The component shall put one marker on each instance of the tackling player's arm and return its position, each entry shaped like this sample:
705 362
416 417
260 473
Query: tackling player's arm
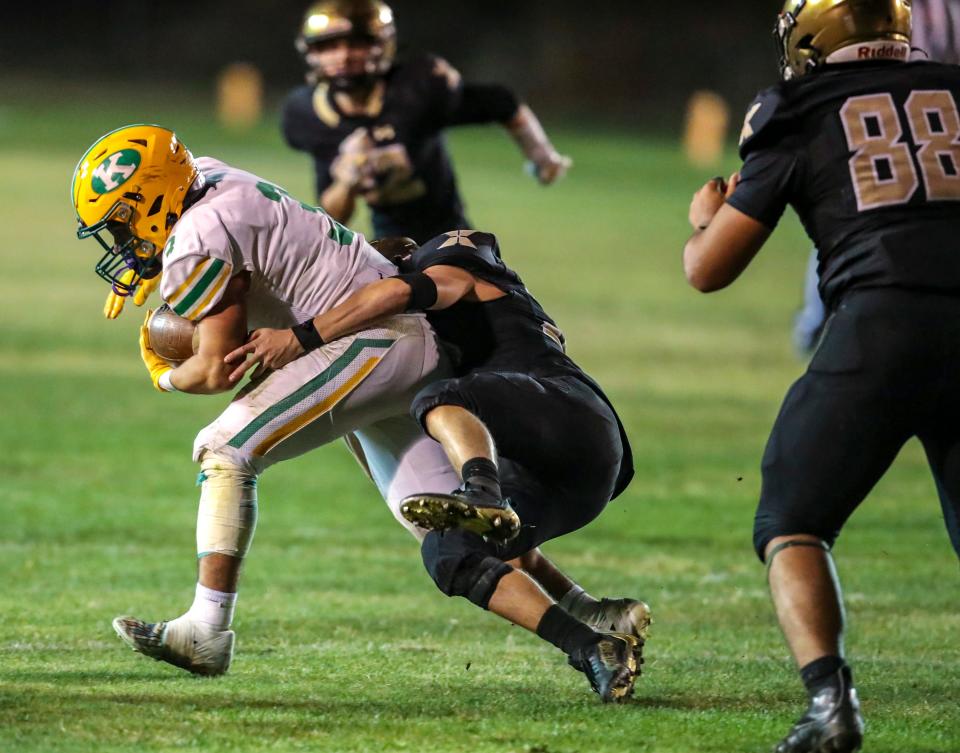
724 240
221 330
437 287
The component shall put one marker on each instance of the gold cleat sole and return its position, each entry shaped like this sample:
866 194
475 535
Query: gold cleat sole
443 512
639 614
624 688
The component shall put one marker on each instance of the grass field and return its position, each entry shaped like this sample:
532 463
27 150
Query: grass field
344 644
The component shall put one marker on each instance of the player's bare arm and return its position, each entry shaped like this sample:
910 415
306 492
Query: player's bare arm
339 200
548 165
205 373
274 348
724 240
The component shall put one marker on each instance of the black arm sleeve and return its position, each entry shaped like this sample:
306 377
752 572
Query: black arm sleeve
484 103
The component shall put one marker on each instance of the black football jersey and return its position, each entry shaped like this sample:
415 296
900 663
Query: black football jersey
868 156
416 191
508 334
512 333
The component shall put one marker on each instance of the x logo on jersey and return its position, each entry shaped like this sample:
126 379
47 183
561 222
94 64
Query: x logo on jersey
458 238
747 131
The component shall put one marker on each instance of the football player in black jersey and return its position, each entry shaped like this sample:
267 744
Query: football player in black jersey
374 126
864 146
935 36
519 420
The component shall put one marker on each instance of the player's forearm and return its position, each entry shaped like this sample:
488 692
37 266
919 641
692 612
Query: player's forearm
339 201
375 301
202 375
700 272
526 130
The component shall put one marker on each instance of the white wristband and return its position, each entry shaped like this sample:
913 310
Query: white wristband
165 384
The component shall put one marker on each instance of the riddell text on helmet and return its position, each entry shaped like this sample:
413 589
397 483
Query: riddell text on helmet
891 51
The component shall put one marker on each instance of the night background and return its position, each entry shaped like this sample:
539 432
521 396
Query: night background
344 643
618 62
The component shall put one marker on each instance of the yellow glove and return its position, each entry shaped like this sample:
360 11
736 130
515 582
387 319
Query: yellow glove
154 363
114 303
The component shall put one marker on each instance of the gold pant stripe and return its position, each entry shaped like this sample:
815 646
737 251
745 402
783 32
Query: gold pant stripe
318 410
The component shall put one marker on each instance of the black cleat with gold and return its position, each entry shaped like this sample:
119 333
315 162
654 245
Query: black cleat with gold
832 724
611 664
469 507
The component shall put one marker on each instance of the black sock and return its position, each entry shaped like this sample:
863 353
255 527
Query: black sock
481 472
564 631
824 672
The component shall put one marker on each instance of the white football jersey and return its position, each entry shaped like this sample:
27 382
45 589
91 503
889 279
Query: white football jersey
301 262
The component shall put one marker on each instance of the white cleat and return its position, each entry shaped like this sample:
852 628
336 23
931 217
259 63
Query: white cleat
183 643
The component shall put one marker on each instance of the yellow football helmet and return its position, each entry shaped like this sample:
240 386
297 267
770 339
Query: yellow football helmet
328 20
809 32
131 184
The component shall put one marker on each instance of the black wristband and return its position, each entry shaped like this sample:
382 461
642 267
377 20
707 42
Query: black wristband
423 290
307 335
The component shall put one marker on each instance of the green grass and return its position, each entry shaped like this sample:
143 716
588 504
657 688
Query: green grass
343 642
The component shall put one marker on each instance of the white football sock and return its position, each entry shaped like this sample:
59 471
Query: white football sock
213 608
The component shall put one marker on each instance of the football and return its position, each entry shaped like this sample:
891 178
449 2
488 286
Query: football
172 337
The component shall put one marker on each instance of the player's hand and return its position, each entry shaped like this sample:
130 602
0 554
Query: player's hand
114 303
347 169
270 349
708 200
351 167
551 168
154 363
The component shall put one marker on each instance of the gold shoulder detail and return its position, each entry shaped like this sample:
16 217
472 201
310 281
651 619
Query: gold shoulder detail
322 107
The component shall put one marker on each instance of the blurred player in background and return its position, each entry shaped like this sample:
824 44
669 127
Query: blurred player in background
520 420
235 251
864 146
374 125
936 36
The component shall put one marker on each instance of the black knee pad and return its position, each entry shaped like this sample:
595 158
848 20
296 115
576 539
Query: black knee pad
460 564
444 392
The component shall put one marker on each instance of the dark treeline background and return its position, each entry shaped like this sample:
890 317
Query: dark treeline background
613 61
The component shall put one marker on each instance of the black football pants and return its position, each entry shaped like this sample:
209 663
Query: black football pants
558 443
887 369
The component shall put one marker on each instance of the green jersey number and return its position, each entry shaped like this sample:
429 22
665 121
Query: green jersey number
340 233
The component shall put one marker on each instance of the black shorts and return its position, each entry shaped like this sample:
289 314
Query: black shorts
887 369
558 443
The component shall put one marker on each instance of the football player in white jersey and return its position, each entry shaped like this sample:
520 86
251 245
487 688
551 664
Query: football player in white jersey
238 252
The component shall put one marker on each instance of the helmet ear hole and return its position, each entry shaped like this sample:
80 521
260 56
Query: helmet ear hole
806 42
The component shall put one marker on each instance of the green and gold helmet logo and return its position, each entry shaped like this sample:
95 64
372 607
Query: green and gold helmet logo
115 170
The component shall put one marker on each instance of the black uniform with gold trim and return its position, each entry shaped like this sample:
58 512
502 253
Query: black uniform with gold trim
416 193
865 153
563 451
868 156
